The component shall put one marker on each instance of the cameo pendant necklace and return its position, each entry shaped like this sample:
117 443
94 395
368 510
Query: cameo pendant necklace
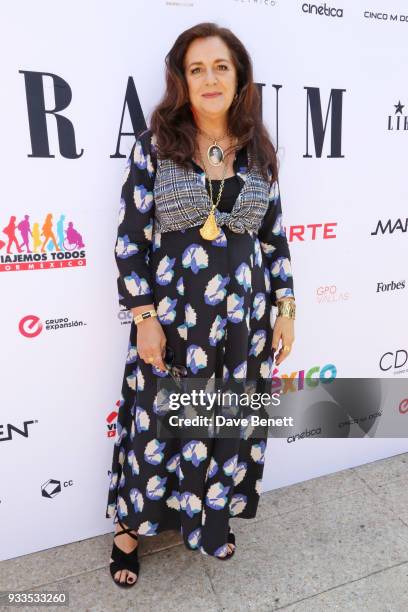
215 153
210 229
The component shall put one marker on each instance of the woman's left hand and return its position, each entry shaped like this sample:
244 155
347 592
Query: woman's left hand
283 330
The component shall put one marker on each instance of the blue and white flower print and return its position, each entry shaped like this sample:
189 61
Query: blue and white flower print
121 212
190 503
195 451
240 371
258 341
156 241
258 452
139 156
268 248
135 380
235 308
165 272
142 198
212 468
216 497
267 278
180 286
161 402
217 330
124 248
126 172
136 497
173 463
230 465
121 507
142 419
278 229
113 481
195 257
132 354
166 310
196 358
121 433
237 504
239 473
259 306
194 538
243 276
216 290
133 462
136 285
266 368
173 501
153 453
147 528
190 316
281 293
221 239
281 268
274 192
156 487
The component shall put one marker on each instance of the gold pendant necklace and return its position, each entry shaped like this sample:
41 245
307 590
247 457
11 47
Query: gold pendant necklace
210 229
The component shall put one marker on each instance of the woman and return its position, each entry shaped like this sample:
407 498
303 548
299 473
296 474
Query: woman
201 245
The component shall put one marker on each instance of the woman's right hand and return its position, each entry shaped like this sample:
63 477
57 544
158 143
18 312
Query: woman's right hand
151 342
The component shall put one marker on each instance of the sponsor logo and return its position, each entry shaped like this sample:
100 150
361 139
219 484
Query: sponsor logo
311 231
389 227
330 293
394 361
385 16
39 245
392 286
111 421
31 325
125 316
253 2
403 406
308 433
297 381
52 487
321 9
8 430
398 121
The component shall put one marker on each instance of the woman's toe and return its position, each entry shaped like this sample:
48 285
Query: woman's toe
123 576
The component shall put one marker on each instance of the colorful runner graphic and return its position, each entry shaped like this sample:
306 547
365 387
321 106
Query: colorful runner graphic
34 246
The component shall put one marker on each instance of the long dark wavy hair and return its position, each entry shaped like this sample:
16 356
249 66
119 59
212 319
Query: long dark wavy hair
172 120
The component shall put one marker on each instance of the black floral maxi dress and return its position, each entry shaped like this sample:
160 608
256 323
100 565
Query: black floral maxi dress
213 300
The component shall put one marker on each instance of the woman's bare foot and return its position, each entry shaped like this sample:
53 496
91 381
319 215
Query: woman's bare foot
126 543
231 548
230 545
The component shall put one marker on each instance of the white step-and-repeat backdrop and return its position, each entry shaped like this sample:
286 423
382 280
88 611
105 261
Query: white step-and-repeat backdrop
78 83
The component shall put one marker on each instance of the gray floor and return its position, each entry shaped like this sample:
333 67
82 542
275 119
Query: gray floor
338 542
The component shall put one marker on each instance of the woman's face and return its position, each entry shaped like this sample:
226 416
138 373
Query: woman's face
208 68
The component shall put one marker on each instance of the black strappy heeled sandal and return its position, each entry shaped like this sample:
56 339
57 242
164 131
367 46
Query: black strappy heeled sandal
121 560
231 540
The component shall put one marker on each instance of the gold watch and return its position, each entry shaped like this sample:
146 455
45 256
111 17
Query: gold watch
145 315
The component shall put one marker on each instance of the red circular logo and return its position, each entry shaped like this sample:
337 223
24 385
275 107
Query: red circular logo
30 326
